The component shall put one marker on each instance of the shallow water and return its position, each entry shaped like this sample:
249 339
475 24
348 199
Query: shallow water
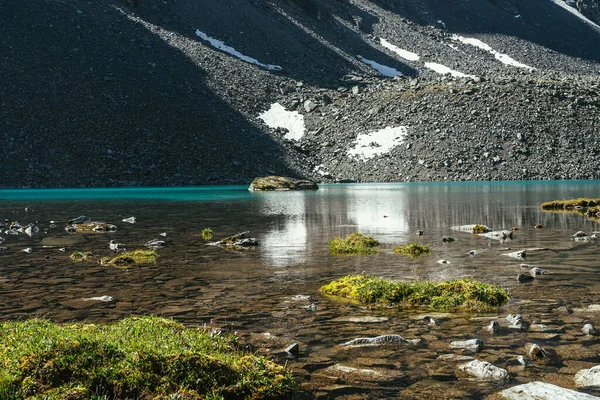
264 293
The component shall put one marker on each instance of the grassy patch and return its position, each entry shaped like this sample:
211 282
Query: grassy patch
355 243
449 295
413 250
81 256
136 358
131 258
570 204
207 233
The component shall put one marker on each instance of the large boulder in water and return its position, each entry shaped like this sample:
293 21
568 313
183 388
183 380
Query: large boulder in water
281 183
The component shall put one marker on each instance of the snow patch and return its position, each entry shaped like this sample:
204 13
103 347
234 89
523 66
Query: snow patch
503 58
278 117
321 169
379 142
382 69
228 49
442 69
407 55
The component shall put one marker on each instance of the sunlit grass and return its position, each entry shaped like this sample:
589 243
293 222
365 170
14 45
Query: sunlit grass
355 243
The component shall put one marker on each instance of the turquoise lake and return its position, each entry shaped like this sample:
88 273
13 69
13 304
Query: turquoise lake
270 294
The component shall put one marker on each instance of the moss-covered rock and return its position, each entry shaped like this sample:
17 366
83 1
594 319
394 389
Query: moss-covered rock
355 243
131 258
81 256
281 183
449 295
137 357
413 250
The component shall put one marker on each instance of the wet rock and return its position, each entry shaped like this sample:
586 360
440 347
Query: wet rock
537 271
116 247
522 360
310 105
588 378
281 183
443 262
155 244
471 344
380 340
493 327
579 234
498 235
420 233
588 329
542 391
78 220
483 370
447 239
351 370
27 250
130 220
239 240
536 352
105 299
473 228
525 266
515 322
521 278
473 252
519 255
293 348
366 319
89 226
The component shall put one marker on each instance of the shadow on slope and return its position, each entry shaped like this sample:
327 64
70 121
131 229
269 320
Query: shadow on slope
94 99
537 21
310 46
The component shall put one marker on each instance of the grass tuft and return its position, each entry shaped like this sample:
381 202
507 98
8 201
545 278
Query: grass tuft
207 233
413 250
450 295
138 357
355 243
131 258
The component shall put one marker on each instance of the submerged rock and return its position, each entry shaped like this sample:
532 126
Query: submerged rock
498 235
473 228
542 391
588 329
281 183
239 241
471 344
78 225
379 340
483 370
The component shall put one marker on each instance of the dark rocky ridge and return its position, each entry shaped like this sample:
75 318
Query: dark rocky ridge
108 94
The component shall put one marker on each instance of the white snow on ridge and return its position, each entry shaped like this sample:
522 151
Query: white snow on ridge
228 49
382 69
503 58
278 117
442 69
407 55
379 142
576 13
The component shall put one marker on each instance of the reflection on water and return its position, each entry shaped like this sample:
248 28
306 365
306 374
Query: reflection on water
256 291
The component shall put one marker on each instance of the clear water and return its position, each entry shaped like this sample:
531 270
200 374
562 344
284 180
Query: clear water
257 291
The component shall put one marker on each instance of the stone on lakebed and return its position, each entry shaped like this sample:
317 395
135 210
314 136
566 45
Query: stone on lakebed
282 183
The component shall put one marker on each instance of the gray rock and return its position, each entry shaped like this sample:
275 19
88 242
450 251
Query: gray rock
536 352
310 105
537 271
484 371
471 344
579 234
493 327
588 329
588 378
522 360
542 391
380 340
293 348
521 278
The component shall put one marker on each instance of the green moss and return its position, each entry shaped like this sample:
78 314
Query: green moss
413 250
131 258
450 295
207 233
81 256
147 357
478 229
355 243
570 204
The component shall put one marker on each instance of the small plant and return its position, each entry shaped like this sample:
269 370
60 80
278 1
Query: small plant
131 258
478 229
413 250
449 295
207 233
81 256
355 243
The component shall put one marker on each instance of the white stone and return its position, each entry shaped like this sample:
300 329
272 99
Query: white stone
542 391
483 370
588 378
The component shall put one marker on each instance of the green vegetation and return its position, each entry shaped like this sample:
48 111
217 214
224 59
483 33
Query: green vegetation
414 250
135 358
355 243
207 233
449 295
82 256
478 229
131 258
570 204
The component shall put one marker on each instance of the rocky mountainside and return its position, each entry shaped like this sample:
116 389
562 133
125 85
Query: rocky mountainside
182 92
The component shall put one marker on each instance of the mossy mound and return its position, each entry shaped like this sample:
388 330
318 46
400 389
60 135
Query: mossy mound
449 295
413 250
207 233
477 229
131 258
136 358
281 183
570 204
355 243
81 256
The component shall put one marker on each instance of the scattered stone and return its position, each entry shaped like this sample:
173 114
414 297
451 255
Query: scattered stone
106 299
281 183
420 233
521 278
379 340
483 370
588 329
471 344
525 266
443 262
522 360
116 247
538 226
130 220
293 348
351 370
537 271
155 244
473 252
543 391
580 234
89 226
447 239
536 352
588 378
365 320
27 250
519 255
493 327
237 241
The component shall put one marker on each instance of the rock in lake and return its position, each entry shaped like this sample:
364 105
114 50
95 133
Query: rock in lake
282 183
484 371
588 378
542 391
379 340
471 344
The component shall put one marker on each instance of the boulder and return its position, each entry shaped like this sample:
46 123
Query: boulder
484 371
542 391
588 378
281 183
471 344
379 340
